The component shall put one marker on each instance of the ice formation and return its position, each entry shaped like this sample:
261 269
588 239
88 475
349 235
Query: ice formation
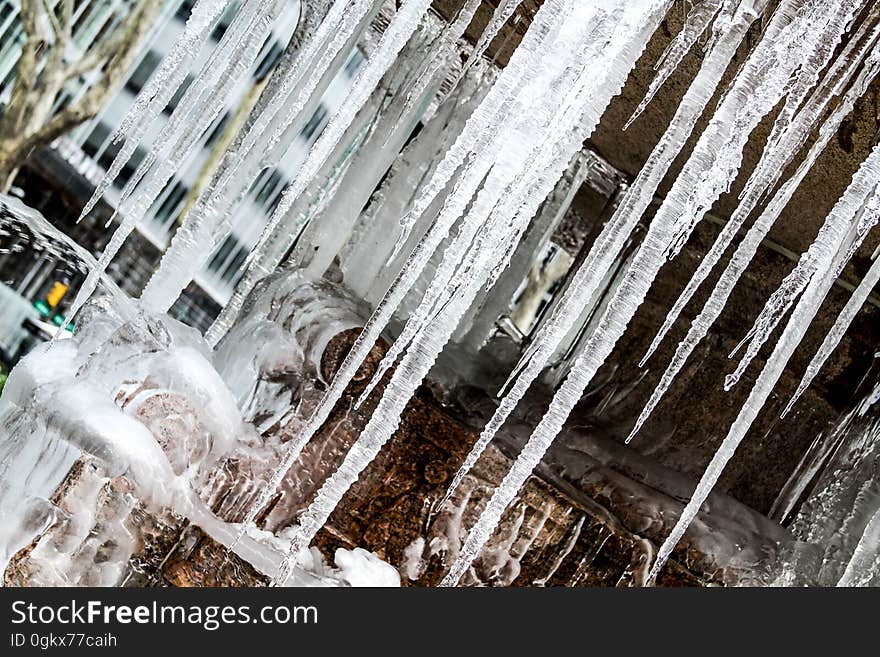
424 230
160 418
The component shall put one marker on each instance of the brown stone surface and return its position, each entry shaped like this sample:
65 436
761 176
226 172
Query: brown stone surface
198 560
394 503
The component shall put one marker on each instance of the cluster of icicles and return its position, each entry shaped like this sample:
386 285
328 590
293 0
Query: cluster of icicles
813 60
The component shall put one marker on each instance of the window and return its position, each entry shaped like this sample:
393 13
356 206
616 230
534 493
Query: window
170 207
267 185
108 25
185 9
221 254
130 167
353 63
223 23
93 143
273 54
228 260
218 129
178 95
317 121
232 273
142 73
63 100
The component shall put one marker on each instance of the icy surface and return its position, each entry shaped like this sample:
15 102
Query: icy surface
137 412
139 406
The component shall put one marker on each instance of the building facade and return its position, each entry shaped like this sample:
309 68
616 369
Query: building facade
81 158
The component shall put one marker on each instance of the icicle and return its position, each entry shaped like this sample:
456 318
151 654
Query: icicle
440 291
382 423
756 234
792 286
448 41
485 249
494 109
773 162
197 110
429 339
830 248
502 14
698 20
395 37
474 138
709 171
613 236
187 252
159 90
829 344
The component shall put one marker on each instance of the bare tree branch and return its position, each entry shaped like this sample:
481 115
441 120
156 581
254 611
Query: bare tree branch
53 19
41 73
26 69
132 30
106 48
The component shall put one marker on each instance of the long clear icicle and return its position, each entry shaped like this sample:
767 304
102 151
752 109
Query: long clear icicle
500 16
475 138
856 301
791 287
289 228
830 249
159 90
198 108
698 21
747 249
439 291
448 40
402 26
614 235
709 171
779 153
485 249
188 252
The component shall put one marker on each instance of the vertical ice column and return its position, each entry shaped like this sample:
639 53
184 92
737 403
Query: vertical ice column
401 28
761 83
365 260
830 249
476 137
326 235
586 280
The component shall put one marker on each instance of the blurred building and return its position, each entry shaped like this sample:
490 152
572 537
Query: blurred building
59 180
